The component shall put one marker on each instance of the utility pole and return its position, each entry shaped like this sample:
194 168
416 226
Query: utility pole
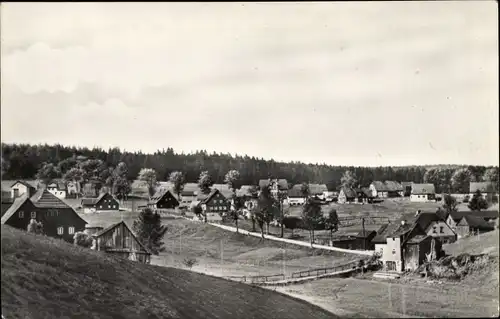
364 238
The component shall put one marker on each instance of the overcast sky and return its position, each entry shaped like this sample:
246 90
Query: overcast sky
343 83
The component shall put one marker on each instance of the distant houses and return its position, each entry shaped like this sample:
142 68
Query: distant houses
58 189
19 188
422 193
58 218
276 185
465 223
486 188
105 201
347 195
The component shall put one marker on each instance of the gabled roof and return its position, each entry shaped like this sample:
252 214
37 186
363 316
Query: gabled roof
398 228
393 186
417 239
364 192
282 183
105 230
317 189
457 216
367 234
348 192
94 200
45 199
379 186
483 187
24 183
160 195
204 198
59 185
244 191
475 222
18 202
423 189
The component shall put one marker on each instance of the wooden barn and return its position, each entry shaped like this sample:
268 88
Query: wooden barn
163 199
104 202
119 240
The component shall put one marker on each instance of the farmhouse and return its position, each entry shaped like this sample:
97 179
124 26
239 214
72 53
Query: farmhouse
364 240
364 195
249 195
346 195
104 202
163 199
19 188
119 240
214 205
404 243
295 196
58 189
386 189
318 190
464 223
486 188
276 185
58 218
406 188
422 193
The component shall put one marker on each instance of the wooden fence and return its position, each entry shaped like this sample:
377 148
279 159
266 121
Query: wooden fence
257 279
323 271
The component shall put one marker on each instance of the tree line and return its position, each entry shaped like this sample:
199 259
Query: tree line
25 161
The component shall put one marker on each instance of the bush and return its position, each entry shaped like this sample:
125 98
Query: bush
35 227
82 239
466 199
189 262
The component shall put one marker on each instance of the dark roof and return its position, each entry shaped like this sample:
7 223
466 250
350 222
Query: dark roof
204 198
159 195
484 187
59 185
482 213
295 192
411 220
475 222
393 186
367 234
417 239
364 192
379 186
348 192
93 200
187 193
282 183
423 189
18 202
45 199
317 189
105 230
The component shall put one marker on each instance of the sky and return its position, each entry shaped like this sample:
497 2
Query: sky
342 83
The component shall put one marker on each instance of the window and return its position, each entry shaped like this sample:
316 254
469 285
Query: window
33 214
441 229
434 231
21 214
71 230
394 251
60 230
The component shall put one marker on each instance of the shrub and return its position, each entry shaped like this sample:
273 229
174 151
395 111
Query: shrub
466 199
189 262
35 227
82 239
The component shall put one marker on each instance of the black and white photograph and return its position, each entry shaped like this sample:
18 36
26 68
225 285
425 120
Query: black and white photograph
252 160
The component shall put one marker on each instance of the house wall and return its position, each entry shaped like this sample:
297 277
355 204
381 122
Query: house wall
58 193
373 190
217 204
51 219
167 202
442 231
379 248
118 238
411 254
293 201
107 203
21 189
422 197
392 253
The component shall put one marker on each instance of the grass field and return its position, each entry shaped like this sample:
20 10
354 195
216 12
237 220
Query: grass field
44 277
475 296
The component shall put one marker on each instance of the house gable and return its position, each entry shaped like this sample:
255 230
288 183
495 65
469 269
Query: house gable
118 237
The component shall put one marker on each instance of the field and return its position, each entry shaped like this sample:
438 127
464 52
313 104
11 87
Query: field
223 253
475 296
44 277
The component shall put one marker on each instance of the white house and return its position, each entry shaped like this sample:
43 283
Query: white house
57 189
422 193
295 196
20 187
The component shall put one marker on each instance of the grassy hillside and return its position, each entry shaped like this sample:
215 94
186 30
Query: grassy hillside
475 245
47 278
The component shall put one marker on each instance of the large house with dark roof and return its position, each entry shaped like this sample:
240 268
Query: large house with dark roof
347 195
105 201
163 199
214 205
386 189
465 223
58 218
422 193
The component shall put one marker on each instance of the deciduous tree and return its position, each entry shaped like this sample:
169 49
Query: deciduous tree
312 216
47 173
348 179
449 204
148 175
332 222
35 227
178 181
491 175
477 202
460 180
205 182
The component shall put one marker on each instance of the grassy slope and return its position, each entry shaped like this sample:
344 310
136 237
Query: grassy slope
484 243
47 278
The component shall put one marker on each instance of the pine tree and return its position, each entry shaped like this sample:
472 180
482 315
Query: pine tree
149 230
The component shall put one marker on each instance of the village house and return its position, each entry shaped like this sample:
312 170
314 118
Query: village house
214 205
19 188
404 243
406 188
464 223
163 199
422 193
74 188
58 218
295 196
330 196
318 190
486 189
119 240
58 189
276 185
363 240
346 195
363 195
386 189
105 201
